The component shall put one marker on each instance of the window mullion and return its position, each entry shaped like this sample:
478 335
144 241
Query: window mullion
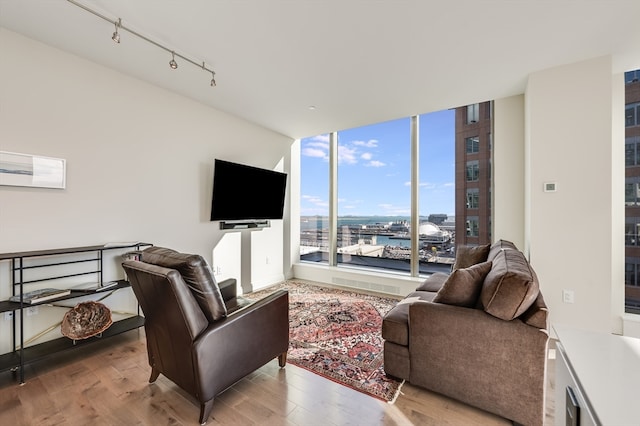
415 204
333 199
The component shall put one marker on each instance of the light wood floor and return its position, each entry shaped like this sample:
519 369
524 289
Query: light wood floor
106 383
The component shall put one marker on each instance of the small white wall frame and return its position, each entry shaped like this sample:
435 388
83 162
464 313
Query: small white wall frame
32 170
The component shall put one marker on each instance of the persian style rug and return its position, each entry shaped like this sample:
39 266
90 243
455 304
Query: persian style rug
337 334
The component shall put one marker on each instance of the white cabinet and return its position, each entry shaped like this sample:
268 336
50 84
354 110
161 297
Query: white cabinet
603 372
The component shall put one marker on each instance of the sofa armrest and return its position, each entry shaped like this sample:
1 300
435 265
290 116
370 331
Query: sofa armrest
233 347
467 354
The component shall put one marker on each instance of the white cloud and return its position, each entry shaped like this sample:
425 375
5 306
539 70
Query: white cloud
366 156
315 200
314 152
376 163
347 155
321 138
318 144
371 143
427 185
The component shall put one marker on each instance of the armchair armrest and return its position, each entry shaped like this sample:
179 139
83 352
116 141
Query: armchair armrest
233 347
479 359
228 289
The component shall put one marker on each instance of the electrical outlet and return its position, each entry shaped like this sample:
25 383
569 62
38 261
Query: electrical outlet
217 270
32 310
567 296
8 316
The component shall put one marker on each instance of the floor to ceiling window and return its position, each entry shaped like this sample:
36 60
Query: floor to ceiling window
373 227
632 194
314 199
437 187
374 198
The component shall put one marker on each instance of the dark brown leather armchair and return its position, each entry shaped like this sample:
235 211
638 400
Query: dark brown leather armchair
191 338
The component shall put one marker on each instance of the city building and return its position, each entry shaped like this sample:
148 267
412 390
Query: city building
632 191
473 174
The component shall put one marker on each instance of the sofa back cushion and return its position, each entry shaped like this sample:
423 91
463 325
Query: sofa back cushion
498 246
197 275
511 286
470 255
463 286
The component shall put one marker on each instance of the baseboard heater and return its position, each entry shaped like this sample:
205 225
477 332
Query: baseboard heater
245 224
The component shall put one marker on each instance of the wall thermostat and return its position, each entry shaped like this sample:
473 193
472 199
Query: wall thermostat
549 187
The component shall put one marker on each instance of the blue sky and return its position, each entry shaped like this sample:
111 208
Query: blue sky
374 169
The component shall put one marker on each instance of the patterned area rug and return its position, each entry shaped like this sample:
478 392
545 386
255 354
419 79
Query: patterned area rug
337 334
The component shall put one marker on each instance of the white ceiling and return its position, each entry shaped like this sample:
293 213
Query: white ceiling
357 61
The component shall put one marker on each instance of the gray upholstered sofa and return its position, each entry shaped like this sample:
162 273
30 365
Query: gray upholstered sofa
478 335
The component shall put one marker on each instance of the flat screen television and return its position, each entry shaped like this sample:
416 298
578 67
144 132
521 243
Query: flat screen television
242 192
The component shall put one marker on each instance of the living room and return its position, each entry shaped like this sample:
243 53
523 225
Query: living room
140 162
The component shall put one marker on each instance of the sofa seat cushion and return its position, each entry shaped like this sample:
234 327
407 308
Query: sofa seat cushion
463 286
395 325
511 286
197 275
470 255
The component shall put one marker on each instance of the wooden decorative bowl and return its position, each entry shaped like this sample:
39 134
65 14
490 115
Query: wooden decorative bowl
86 320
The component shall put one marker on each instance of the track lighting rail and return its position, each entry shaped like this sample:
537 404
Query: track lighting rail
120 26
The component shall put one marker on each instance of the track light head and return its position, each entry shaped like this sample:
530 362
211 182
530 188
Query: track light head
213 79
116 35
172 63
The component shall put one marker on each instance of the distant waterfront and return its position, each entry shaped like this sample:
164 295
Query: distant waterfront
374 223
308 223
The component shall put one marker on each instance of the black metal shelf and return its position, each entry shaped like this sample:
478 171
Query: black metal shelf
70 250
11 360
25 261
7 306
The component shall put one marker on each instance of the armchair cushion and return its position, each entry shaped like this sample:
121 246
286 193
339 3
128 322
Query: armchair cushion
470 255
463 286
511 286
197 275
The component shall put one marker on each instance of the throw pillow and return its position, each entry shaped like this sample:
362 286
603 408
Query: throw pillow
196 274
463 286
511 286
470 255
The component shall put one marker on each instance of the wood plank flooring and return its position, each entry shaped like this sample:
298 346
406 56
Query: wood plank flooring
106 383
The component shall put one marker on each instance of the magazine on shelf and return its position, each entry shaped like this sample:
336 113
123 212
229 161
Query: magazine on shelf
40 295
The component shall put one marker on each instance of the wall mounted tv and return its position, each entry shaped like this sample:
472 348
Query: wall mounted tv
246 193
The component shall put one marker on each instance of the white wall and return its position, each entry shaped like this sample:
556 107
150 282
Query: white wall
139 159
508 170
575 235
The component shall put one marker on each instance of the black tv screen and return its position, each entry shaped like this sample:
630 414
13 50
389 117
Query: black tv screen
242 192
